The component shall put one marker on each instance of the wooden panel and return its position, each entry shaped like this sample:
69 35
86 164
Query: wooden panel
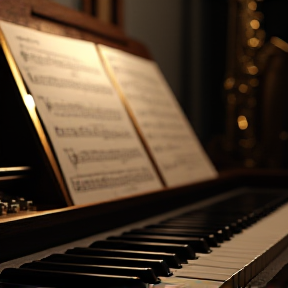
104 11
108 11
118 13
87 6
51 17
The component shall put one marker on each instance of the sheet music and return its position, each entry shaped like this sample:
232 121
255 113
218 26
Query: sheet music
96 144
170 138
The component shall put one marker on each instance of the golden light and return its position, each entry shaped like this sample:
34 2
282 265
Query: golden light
252 5
229 83
242 122
279 43
243 88
253 42
29 101
253 70
255 24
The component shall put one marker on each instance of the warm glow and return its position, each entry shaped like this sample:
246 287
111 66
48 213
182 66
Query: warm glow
255 24
229 83
29 101
253 42
242 122
279 43
253 70
243 88
252 5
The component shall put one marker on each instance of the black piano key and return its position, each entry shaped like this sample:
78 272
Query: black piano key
218 216
247 220
221 213
215 215
218 234
184 252
197 244
159 267
209 217
235 228
145 274
67 279
224 230
171 259
209 237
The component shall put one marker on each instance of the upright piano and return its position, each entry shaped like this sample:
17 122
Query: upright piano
221 232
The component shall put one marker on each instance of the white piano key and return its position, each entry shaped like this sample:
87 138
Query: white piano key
186 283
203 275
214 263
249 252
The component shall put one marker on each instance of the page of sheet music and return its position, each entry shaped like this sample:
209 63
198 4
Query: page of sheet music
169 136
96 144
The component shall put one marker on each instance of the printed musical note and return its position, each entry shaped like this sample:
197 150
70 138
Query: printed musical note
86 156
165 148
46 58
68 109
142 97
155 113
134 73
162 125
83 183
66 83
92 131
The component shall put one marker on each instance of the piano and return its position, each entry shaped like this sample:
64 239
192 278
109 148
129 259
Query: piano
220 232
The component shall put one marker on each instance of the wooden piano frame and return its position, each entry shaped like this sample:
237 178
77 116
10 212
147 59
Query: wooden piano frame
25 233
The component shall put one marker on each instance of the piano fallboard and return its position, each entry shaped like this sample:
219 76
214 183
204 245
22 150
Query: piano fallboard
27 233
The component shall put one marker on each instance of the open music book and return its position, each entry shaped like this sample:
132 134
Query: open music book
169 137
98 149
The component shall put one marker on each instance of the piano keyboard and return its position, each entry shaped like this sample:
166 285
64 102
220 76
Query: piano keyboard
225 244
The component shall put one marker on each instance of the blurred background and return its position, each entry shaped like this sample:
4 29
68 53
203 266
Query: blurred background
227 63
